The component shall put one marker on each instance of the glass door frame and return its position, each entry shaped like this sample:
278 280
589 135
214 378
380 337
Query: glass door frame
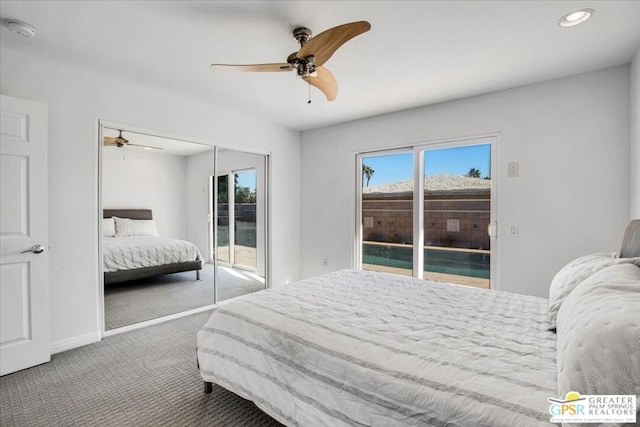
266 214
231 202
358 236
235 264
418 198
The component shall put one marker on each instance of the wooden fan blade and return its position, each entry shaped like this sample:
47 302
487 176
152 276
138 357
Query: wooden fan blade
326 43
254 67
111 141
324 81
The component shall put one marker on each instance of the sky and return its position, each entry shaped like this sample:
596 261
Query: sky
247 179
453 161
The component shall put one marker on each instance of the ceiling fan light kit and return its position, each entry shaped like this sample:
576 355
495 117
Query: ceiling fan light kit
314 52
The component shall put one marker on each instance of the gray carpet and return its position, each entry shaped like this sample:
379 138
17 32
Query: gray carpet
135 301
146 377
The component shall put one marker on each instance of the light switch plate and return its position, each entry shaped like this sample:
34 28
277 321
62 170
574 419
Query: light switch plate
514 169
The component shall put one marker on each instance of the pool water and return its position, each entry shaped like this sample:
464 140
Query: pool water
470 264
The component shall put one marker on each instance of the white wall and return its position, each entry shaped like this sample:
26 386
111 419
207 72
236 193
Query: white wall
199 169
134 178
76 100
571 137
635 136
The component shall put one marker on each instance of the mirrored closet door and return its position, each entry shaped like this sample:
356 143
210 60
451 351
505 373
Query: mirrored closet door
176 234
155 201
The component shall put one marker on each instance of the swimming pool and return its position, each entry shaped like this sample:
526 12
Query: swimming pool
470 264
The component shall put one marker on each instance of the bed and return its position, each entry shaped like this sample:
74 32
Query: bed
133 250
372 349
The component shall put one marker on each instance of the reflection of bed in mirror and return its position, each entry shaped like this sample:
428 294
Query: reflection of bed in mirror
133 250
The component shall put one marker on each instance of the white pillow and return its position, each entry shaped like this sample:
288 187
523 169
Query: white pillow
598 337
572 274
135 227
108 227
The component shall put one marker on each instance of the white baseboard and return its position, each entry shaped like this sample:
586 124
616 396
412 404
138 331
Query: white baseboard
151 322
75 342
91 337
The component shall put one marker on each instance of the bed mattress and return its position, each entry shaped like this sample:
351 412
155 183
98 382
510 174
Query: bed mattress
132 252
371 349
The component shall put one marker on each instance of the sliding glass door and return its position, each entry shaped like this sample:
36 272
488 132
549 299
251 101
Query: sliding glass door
387 212
457 214
426 211
240 223
244 219
237 219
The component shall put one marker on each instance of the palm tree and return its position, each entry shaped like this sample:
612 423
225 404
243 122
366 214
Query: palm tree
473 173
367 172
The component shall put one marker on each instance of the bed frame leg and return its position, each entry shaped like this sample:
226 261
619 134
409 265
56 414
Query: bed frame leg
197 274
208 387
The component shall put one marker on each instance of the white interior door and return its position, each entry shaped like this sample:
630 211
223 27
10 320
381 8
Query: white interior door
24 264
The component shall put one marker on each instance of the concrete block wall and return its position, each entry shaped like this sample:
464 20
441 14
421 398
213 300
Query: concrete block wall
390 219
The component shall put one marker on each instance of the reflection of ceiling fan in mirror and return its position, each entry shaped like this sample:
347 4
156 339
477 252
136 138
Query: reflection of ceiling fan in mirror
120 141
314 51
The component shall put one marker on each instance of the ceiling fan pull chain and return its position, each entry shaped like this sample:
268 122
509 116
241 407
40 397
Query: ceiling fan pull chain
309 101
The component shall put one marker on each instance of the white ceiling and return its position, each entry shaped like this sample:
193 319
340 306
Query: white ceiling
417 52
143 140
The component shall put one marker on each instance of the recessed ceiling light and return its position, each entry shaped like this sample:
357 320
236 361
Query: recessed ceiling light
576 17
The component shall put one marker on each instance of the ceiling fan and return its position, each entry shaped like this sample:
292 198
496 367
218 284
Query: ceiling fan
120 141
313 53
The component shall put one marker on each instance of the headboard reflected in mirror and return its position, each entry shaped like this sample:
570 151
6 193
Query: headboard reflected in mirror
128 213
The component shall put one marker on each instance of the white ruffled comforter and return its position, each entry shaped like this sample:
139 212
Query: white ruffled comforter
131 252
370 349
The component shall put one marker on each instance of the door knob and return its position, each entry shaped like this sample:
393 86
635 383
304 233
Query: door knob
492 229
36 249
